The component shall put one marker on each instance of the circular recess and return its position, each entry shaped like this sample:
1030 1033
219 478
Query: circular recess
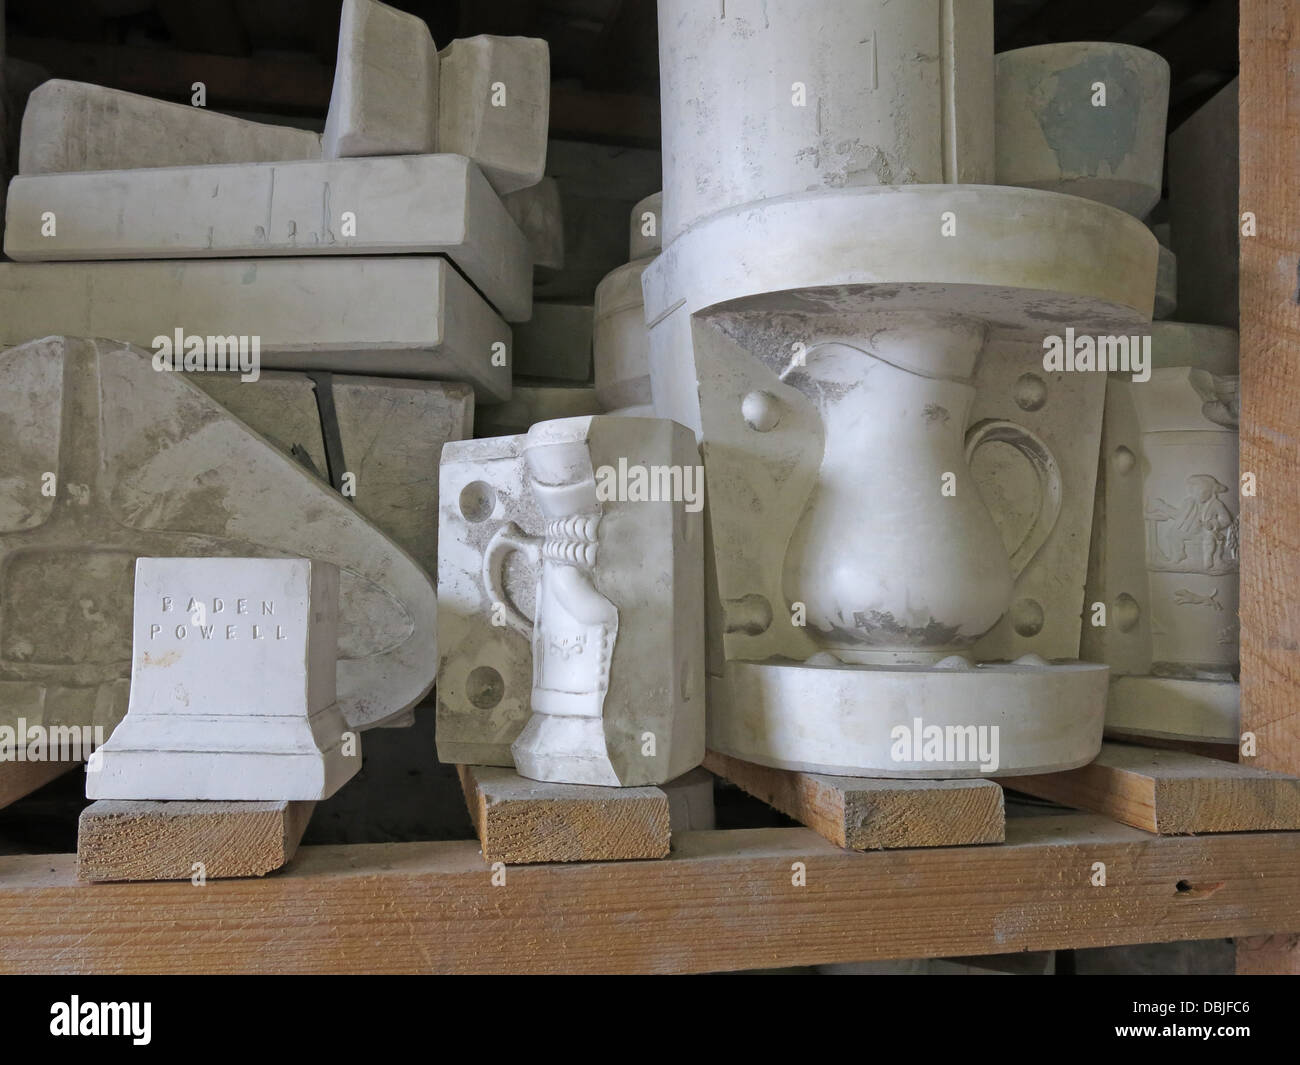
1126 612
1030 392
484 687
1027 617
477 501
761 411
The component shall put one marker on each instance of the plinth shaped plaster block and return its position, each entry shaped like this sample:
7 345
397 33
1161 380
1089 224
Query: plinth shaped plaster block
530 404
615 630
70 125
620 339
1086 119
391 433
537 211
645 233
385 96
103 460
392 316
232 685
1166 541
766 98
494 105
410 205
555 344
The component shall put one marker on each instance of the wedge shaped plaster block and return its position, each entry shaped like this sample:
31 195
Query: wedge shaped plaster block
72 125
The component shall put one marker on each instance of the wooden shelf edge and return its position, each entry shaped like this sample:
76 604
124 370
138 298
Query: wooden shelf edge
724 900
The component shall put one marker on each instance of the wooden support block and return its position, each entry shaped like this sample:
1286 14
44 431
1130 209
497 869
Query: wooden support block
138 840
520 821
1172 793
22 778
866 813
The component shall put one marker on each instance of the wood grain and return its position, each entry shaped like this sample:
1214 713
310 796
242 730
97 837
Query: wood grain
873 814
722 901
1270 393
137 840
521 821
1171 792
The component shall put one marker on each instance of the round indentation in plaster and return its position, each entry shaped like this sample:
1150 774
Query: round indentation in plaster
477 501
484 687
761 411
1123 459
1027 617
1126 612
751 614
1030 392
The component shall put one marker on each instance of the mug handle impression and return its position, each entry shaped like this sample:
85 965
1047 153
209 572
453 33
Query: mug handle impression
995 430
505 540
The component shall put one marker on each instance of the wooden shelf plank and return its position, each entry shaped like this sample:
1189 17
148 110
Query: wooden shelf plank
723 900
520 821
120 840
872 814
1172 792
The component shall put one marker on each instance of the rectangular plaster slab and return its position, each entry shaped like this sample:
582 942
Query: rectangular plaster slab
71 125
1204 216
412 205
400 317
494 105
385 95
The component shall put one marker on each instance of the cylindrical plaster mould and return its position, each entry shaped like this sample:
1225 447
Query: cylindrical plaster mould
763 98
1084 118
620 339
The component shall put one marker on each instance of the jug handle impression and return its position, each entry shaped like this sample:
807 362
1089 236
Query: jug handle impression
995 430
505 540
